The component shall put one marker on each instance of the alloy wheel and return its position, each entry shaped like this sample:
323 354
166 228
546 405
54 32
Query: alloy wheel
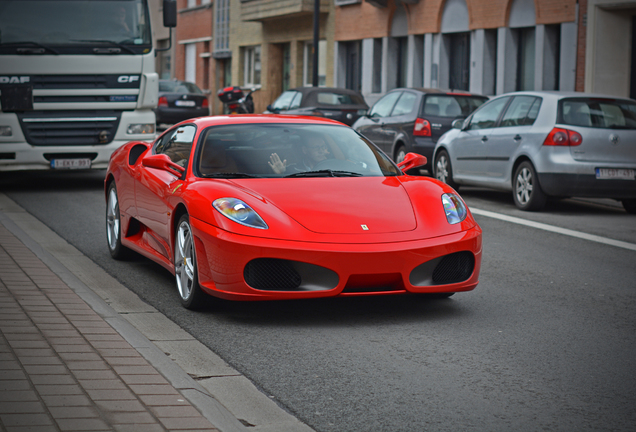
524 186
184 260
112 219
441 169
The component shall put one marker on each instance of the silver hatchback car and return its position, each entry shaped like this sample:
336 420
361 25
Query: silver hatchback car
545 144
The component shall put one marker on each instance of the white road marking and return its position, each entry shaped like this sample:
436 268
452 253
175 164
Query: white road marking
546 227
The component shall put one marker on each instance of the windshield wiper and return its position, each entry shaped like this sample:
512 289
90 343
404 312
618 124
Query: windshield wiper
325 173
231 175
105 41
35 47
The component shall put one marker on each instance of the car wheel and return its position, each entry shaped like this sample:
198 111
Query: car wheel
444 170
400 154
629 205
526 189
113 225
185 266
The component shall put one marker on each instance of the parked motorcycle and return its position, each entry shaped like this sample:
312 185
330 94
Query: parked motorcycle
236 101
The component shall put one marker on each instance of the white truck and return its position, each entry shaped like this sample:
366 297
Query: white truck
77 80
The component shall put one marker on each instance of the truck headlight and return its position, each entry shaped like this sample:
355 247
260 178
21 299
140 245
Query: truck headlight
145 128
5 131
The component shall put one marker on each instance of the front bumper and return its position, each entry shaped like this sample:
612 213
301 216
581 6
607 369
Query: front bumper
331 269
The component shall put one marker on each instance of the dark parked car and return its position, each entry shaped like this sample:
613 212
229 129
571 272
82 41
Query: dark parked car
180 100
412 119
339 104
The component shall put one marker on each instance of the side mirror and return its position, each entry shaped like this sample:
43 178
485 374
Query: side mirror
169 13
457 124
412 160
163 162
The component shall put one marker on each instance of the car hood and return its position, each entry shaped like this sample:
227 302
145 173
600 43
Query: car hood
337 205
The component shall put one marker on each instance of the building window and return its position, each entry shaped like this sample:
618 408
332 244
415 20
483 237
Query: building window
353 65
222 29
308 70
252 65
459 61
525 58
192 3
191 63
402 61
377 65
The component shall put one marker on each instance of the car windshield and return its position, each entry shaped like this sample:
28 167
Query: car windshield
178 87
289 150
598 113
43 26
284 100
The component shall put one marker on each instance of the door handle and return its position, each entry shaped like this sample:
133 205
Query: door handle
484 138
517 137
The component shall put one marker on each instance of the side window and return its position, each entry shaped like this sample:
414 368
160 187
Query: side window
486 116
522 111
177 144
405 104
285 100
384 106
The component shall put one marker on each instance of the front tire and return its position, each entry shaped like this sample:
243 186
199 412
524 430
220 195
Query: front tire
113 225
444 170
185 267
526 189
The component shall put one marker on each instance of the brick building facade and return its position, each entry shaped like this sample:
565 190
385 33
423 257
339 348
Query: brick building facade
482 46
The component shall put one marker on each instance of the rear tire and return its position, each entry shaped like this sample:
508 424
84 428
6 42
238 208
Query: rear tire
444 170
400 153
185 267
629 205
113 225
526 189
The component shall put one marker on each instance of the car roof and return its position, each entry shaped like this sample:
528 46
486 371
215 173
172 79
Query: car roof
562 94
438 91
307 90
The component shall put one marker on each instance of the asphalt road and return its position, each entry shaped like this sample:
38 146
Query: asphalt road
547 341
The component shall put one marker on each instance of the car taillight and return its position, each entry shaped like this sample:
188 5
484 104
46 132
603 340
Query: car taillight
232 106
205 103
422 127
563 137
163 102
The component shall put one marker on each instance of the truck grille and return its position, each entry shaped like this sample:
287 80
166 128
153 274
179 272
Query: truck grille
69 128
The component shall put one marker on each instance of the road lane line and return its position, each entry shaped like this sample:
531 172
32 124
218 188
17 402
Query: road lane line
551 228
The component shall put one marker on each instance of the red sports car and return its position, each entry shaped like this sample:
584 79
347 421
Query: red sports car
259 207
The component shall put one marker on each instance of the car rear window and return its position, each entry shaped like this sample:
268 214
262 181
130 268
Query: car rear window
451 105
178 87
598 113
337 99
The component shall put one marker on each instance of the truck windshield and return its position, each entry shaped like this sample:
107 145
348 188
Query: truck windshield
74 27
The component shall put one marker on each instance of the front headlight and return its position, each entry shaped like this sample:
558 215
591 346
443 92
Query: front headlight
134 129
454 208
236 210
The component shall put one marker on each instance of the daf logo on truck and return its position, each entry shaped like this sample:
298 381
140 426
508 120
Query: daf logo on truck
14 79
127 78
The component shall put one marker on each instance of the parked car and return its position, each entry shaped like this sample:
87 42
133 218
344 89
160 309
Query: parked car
412 119
180 100
339 104
329 215
545 144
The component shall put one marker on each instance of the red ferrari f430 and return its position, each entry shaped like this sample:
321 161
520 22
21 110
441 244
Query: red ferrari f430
260 207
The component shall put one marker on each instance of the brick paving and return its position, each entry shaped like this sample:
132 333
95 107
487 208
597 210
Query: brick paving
63 368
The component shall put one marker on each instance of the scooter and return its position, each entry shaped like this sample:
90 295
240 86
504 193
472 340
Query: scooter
235 101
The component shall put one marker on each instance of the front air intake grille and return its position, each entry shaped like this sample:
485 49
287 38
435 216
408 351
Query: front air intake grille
454 268
271 274
69 128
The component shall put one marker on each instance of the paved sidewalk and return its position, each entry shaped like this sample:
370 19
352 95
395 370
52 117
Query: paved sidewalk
64 368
